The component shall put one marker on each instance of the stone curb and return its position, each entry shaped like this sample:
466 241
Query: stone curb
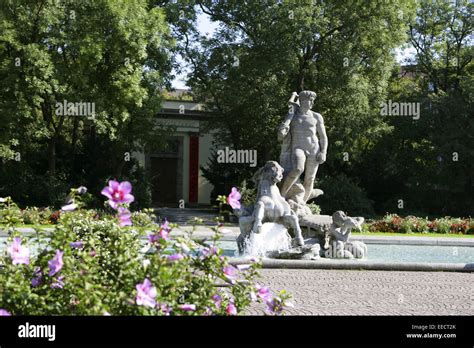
360 265
442 241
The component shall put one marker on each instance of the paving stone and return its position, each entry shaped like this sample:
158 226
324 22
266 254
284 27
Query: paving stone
346 292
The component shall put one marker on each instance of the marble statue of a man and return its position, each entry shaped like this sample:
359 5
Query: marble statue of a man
302 150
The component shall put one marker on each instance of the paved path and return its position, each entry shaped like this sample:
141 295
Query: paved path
184 216
341 292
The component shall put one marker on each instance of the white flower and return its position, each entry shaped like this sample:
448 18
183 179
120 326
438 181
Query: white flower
146 263
69 207
184 247
81 190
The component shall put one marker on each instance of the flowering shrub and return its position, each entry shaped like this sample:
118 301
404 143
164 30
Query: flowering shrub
91 265
412 224
249 195
36 216
10 213
232 201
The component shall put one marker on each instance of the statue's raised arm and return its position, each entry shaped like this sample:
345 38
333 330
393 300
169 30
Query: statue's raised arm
285 125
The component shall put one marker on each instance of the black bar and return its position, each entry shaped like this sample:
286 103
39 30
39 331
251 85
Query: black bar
242 331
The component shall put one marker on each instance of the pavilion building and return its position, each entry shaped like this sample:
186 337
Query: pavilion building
176 176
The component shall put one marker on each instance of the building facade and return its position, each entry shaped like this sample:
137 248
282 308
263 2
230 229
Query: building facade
175 172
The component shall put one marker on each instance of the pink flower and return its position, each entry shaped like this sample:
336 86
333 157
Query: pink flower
56 263
124 217
37 277
77 245
274 305
58 283
153 238
209 251
264 293
165 226
175 257
234 198
231 309
230 273
217 299
163 233
19 253
4 313
118 193
164 308
146 294
243 267
188 307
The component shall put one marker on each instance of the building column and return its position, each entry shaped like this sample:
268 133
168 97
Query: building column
193 167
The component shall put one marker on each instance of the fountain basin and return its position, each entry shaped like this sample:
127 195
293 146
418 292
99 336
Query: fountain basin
381 257
357 264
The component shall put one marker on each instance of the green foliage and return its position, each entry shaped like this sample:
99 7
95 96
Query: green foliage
248 195
264 51
27 191
10 214
141 187
223 176
315 209
345 52
143 217
428 162
112 54
341 193
36 216
100 277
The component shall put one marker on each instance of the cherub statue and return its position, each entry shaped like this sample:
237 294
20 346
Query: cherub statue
339 233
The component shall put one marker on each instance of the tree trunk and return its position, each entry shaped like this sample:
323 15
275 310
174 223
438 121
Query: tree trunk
119 168
52 156
74 142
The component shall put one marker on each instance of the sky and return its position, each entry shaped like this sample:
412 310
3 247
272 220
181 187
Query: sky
207 27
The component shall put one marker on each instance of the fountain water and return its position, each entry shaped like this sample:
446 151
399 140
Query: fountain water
273 237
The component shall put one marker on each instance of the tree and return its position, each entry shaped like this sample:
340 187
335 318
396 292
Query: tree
112 55
431 158
264 50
